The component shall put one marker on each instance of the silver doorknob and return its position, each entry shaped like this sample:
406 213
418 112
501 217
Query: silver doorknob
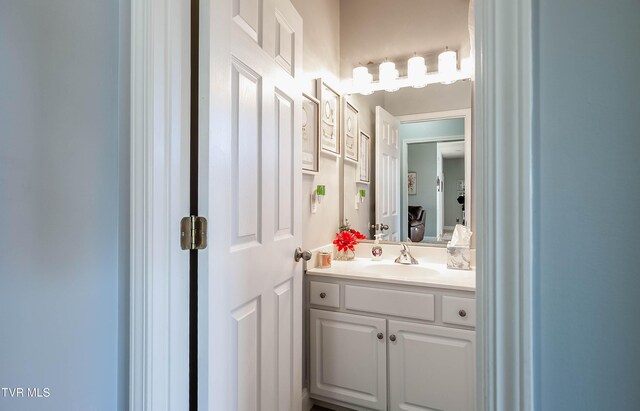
304 255
392 337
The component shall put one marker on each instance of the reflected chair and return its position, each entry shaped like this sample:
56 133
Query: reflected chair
417 217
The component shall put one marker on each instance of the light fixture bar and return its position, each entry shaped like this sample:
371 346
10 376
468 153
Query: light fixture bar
401 82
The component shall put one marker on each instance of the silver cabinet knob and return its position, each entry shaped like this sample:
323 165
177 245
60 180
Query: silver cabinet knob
462 313
304 255
380 336
392 337
323 295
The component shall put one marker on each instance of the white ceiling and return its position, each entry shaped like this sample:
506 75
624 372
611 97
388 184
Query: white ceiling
372 30
453 149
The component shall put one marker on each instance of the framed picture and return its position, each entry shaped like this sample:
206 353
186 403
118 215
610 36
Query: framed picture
351 133
310 134
364 156
329 119
413 182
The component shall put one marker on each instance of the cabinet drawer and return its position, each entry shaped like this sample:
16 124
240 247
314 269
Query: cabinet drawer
459 311
392 302
324 294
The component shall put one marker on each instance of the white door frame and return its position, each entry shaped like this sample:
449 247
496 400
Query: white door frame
504 147
465 114
504 196
159 269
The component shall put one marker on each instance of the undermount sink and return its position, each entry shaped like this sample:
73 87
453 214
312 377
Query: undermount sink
399 270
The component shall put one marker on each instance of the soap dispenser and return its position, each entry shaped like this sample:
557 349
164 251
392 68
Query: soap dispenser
376 250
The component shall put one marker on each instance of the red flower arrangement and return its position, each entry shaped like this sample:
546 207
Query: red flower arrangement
347 239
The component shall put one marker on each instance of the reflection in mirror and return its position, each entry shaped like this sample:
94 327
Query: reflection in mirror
435 190
420 184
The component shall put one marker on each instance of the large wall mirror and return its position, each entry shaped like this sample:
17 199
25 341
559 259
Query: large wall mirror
419 176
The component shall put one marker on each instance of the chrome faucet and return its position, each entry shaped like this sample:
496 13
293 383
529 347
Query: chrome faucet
405 256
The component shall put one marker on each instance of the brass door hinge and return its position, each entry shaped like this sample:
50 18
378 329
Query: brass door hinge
193 233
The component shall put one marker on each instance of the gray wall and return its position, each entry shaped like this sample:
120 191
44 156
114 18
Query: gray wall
587 205
64 202
421 158
453 169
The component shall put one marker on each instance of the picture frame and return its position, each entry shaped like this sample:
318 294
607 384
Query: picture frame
412 182
351 135
310 134
364 156
330 109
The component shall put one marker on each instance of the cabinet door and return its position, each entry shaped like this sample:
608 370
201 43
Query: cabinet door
348 358
431 368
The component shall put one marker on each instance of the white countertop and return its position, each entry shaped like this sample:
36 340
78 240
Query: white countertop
426 274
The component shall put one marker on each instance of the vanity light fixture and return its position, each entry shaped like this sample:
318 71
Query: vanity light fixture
448 66
417 71
362 80
388 75
417 74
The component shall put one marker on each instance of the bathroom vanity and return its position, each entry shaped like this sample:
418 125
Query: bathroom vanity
386 336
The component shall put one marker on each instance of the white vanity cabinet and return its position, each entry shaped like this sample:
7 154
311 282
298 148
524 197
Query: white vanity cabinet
349 358
380 346
431 367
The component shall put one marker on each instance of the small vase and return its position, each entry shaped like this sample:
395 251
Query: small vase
346 255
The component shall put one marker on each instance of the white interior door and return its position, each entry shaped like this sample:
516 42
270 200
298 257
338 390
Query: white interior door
250 323
439 192
388 172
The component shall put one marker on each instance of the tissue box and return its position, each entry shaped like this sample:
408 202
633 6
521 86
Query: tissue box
458 258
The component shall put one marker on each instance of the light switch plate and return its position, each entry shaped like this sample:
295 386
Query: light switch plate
314 205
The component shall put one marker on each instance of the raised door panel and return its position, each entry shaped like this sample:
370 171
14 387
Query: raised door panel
348 360
246 131
285 43
431 368
246 355
284 181
284 345
247 14
388 172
